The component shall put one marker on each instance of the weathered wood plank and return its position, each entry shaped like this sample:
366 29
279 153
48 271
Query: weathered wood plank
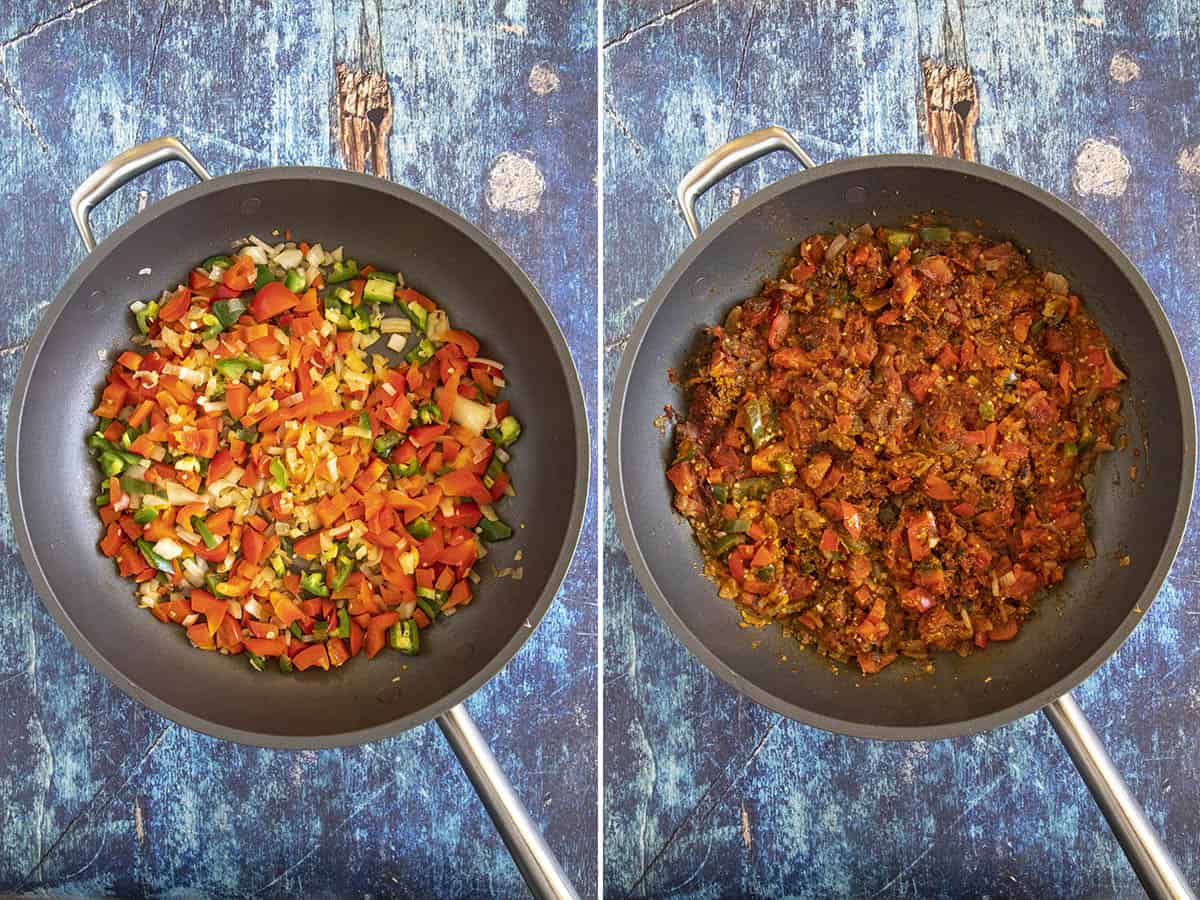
99 796
717 797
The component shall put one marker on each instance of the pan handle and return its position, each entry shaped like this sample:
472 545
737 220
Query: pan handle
726 160
1150 859
123 168
529 850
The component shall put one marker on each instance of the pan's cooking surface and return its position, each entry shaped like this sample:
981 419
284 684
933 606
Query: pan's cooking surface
1099 604
49 466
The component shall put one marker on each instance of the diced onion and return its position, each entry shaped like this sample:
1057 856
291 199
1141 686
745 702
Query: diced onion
258 254
190 619
471 415
397 342
168 549
488 512
289 259
178 495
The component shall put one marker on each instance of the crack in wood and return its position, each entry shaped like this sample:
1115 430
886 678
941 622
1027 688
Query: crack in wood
669 16
37 27
364 107
951 109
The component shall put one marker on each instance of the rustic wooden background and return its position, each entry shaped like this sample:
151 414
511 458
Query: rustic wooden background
485 106
709 795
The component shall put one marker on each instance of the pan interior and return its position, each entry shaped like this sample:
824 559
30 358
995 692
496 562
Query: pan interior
1078 623
394 230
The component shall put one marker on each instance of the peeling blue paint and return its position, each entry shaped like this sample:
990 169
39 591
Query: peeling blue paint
709 795
100 796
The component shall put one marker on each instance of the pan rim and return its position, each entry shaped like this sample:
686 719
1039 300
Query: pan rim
664 608
582 438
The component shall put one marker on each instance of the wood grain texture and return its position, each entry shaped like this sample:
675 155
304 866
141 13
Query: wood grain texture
716 796
100 796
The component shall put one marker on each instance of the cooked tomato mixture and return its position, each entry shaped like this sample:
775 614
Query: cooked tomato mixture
884 450
281 485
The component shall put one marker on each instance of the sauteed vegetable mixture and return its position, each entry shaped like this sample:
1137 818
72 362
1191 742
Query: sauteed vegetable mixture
884 449
278 485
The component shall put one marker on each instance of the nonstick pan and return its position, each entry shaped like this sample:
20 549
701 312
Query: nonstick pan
1089 615
51 478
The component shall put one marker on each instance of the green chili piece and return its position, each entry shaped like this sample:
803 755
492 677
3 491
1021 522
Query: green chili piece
320 630
939 233
427 608
314 583
720 492
279 476
1037 328
405 469
211 580
429 414
386 443
285 664
146 315
296 630
757 412
145 515
343 629
417 313
1070 448
249 435
133 485
896 240
345 567
406 637
222 262
420 528
754 488
736 526
342 271
987 410
102 499
726 542
422 352
765 573
257 663
210 539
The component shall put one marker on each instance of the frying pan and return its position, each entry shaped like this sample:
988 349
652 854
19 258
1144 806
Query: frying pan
51 478
1092 611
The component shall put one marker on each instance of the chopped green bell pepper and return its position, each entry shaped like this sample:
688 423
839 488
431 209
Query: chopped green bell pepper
145 515
314 583
279 476
154 559
386 443
421 353
342 271
229 311
379 289
343 629
265 276
210 539
294 281
494 530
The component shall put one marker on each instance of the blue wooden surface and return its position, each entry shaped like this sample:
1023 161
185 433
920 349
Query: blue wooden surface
710 795
98 795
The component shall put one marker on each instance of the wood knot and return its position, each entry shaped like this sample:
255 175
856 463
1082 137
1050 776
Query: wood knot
951 109
364 104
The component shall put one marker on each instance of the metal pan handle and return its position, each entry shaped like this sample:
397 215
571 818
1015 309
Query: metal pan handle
123 168
726 160
1150 859
529 850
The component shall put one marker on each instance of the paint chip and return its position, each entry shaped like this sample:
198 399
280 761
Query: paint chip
543 80
1101 169
515 184
139 822
1123 68
746 837
518 30
1188 161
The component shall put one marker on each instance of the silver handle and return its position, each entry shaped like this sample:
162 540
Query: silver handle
1150 859
122 168
726 160
529 851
